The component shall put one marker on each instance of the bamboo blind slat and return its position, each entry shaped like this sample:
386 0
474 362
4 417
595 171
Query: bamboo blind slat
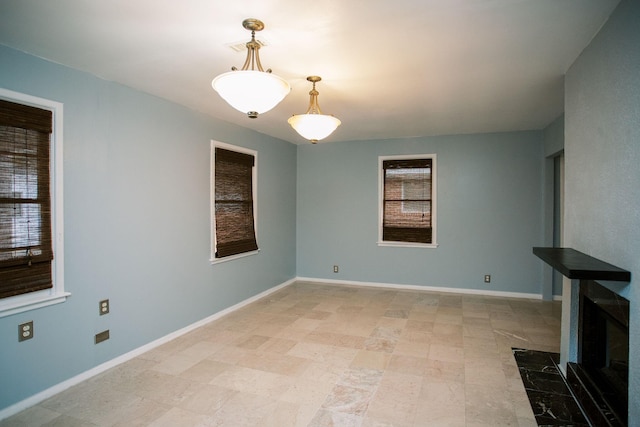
25 202
234 217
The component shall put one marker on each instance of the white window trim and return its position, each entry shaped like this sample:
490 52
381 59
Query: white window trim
434 192
56 294
212 195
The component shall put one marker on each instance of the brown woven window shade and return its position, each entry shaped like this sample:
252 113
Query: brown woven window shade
235 231
407 201
25 204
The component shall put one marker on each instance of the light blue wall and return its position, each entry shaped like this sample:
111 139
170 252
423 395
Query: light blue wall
136 193
602 149
489 213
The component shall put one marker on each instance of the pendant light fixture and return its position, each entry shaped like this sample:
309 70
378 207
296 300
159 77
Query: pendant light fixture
313 125
251 90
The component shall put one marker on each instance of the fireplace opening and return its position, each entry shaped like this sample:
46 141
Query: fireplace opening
603 348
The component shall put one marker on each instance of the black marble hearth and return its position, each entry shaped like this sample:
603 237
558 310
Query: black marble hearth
550 398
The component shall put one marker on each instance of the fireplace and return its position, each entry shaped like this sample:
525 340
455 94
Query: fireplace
600 379
595 360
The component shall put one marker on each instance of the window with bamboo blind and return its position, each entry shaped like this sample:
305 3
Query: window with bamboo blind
407 200
27 240
233 200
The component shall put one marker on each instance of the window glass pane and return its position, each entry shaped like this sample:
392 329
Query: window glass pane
407 200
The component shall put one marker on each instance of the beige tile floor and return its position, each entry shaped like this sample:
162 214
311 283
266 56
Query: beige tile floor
326 355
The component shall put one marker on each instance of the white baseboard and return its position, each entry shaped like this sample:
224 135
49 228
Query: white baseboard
60 387
423 288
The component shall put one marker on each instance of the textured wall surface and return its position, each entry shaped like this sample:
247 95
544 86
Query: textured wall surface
602 149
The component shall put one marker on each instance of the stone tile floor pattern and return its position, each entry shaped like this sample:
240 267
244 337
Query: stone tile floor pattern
326 355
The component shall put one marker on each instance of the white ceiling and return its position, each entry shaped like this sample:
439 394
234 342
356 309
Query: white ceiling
390 69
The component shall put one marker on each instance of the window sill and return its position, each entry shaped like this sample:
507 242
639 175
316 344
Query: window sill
232 257
24 303
408 245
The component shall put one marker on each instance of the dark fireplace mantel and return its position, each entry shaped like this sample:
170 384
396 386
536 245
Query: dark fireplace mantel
576 265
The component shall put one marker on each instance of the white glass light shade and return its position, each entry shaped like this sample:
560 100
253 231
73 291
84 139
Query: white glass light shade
314 127
251 91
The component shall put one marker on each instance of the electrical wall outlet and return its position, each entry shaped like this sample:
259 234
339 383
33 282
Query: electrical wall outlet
487 278
104 307
25 331
335 268
102 336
